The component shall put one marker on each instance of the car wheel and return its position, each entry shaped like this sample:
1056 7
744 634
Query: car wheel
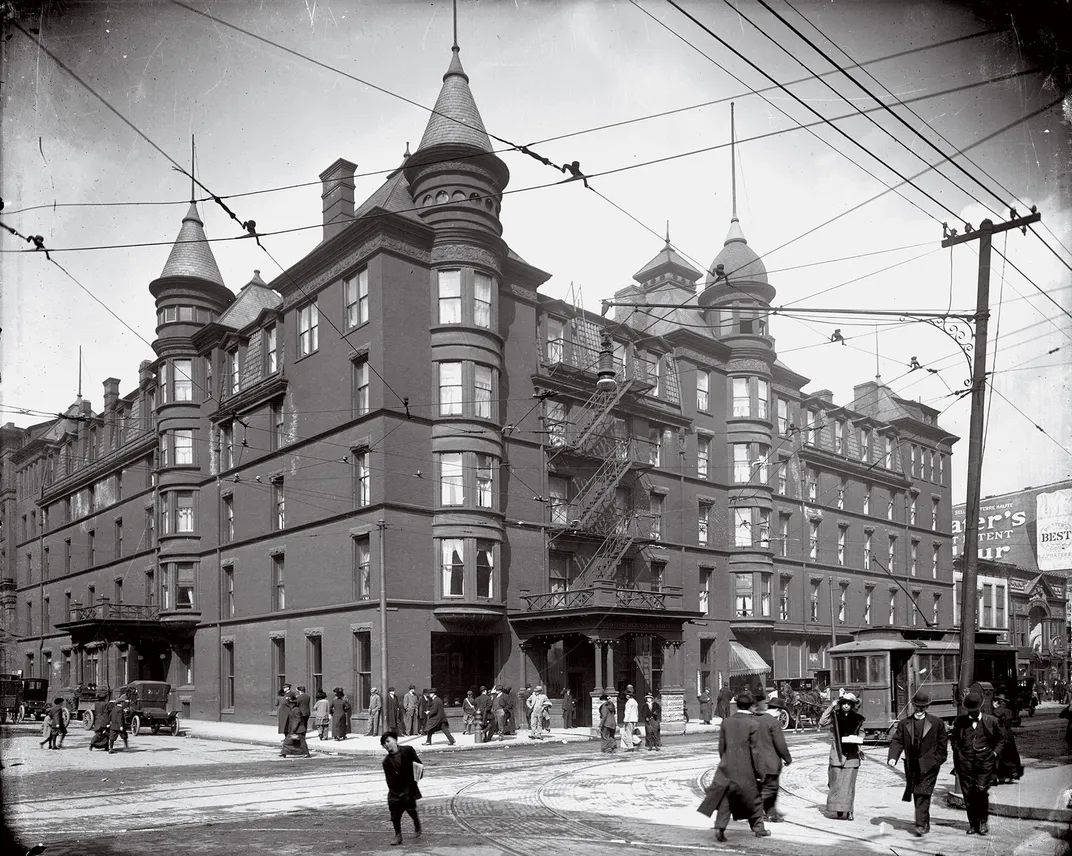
87 720
175 727
135 725
783 718
66 714
46 730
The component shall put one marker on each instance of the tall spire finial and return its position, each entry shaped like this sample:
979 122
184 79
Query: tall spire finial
668 234
878 371
455 47
79 372
193 190
733 163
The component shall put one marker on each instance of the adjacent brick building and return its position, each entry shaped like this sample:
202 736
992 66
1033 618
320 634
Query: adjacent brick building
650 499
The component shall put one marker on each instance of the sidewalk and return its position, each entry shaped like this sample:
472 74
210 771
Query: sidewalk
267 735
1042 793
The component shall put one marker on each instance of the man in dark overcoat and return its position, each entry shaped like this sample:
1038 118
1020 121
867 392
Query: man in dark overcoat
411 703
117 726
1010 766
567 708
482 706
733 790
392 708
922 737
725 699
305 709
423 704
437 719
978 741
771 752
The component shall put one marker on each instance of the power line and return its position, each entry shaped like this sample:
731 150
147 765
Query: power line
871 95
811 109
740 141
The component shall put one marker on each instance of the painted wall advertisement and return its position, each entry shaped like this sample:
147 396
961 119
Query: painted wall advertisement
1031 528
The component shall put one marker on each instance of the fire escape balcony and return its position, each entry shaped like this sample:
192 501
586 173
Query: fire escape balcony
604 606
133 623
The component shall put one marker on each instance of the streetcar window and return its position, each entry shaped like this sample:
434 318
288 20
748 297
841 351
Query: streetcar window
839 671
858 666
877 669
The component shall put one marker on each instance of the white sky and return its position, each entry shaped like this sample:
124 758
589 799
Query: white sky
265 119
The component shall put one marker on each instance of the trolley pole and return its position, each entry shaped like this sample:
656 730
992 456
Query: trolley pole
381 524
969 596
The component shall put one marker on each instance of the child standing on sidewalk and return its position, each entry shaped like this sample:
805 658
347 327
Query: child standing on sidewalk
321 715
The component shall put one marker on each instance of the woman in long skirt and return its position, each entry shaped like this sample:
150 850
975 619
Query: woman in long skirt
340 715
608 721
846 740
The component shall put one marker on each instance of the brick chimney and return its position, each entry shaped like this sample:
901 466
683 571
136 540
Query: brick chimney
338 196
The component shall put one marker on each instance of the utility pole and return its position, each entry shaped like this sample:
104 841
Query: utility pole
969 596
381 524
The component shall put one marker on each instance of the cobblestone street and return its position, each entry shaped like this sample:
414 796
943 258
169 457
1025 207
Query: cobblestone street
218 797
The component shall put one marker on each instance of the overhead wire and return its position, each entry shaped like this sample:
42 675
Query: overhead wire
808 107
740 140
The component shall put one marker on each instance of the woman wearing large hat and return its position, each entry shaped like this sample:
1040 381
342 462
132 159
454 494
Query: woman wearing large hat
846 740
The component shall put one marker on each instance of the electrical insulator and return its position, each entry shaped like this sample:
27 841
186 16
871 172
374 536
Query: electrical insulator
606 376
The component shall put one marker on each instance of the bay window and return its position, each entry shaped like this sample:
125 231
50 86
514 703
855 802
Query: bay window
703 455
451 479
742 402
485 568
742 595
703 383
483 379
450 296
452 551
485 480
183 380
482 284
450 389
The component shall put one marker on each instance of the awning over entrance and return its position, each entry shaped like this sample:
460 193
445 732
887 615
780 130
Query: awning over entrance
745 661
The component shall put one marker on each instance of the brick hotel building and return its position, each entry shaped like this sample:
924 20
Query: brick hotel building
553 496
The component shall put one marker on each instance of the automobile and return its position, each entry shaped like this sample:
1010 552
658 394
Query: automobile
35 699
81 700
11 708
145 703
1025 696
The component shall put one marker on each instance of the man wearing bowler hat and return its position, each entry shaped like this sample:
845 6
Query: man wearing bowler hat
771 753
978 741
922 737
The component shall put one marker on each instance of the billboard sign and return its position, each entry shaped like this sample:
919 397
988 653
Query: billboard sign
1030 528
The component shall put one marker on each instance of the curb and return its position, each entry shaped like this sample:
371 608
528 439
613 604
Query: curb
1021 812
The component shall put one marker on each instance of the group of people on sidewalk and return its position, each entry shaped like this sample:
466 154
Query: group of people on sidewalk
295 711
629 735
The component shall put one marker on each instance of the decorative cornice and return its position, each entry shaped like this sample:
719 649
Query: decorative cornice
465 254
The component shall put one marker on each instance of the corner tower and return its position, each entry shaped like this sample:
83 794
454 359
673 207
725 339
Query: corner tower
189 294
456 182
736 304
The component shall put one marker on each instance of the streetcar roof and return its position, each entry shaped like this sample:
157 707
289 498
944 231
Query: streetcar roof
872 646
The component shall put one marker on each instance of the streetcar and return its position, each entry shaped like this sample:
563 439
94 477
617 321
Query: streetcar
885 666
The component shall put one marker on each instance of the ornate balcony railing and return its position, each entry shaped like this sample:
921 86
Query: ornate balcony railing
605 596
105 610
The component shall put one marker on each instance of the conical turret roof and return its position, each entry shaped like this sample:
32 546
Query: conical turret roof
191 254
456 119
739 261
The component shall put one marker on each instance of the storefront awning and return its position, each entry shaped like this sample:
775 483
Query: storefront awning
745 661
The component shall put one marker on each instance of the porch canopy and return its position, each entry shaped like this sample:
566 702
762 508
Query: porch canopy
745 661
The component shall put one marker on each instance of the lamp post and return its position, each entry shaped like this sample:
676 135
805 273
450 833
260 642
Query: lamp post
381 525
